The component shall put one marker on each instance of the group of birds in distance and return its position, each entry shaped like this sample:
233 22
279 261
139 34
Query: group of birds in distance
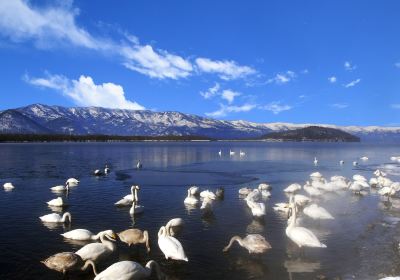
297 204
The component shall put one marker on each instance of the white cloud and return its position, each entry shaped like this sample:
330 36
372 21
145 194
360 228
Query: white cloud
84 92
227 70
19 21
332 79
229 95
352 83
161 64
52 26
276 107
395 106
282 78
348 66
211 92
340 105
224 110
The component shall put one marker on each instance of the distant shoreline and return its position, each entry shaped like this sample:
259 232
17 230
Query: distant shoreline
44 138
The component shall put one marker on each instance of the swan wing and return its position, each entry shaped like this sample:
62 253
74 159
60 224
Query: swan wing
51 218
78 234
304 237
123 270
92 251
171 248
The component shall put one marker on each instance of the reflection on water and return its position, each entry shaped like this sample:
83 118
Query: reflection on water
364 227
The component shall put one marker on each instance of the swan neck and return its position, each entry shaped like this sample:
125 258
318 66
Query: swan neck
233 239
152 265
65 216
146 239
91 263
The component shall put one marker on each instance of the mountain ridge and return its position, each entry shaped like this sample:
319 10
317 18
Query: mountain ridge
99 120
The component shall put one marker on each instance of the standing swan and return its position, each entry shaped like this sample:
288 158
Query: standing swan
135 236
303 237
84 234
254 243
56 218
170 246
129 270
97 251
67 261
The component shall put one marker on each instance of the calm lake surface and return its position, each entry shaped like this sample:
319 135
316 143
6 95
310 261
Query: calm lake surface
362 240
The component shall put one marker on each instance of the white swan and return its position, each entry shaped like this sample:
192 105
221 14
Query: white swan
292 188
170 246
355 163
315 161
364 158
173 224
206 205
316 176
107 169
97 251
379 173
72 182
97 172
190 199
264 186
245 191
317 213
136 209
303 237
220 153
84 234
208 194
265 193
254 243
257 208
301 200
241 153
56 218
255 195
127 200
358 177
60 188
8 186
194 190
341 162
312 191
59 202
231 153
129 270
139 165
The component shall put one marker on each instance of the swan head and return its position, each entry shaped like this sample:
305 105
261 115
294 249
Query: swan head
162 231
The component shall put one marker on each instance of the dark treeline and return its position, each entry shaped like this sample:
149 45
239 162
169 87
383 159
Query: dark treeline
92 138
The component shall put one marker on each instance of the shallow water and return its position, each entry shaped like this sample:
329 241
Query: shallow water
362 240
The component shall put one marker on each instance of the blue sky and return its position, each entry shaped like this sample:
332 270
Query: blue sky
311 61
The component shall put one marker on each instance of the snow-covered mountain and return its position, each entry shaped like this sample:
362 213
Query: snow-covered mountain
38 118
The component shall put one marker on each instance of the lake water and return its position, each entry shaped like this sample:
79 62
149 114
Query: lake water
362 240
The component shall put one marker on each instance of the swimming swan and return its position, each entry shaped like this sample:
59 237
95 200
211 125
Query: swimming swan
135 236
67 261
59 202
84 234
170 246
173 223
96 251
316 212
8 186
129 270
303 237
254 243
190 199
56 218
